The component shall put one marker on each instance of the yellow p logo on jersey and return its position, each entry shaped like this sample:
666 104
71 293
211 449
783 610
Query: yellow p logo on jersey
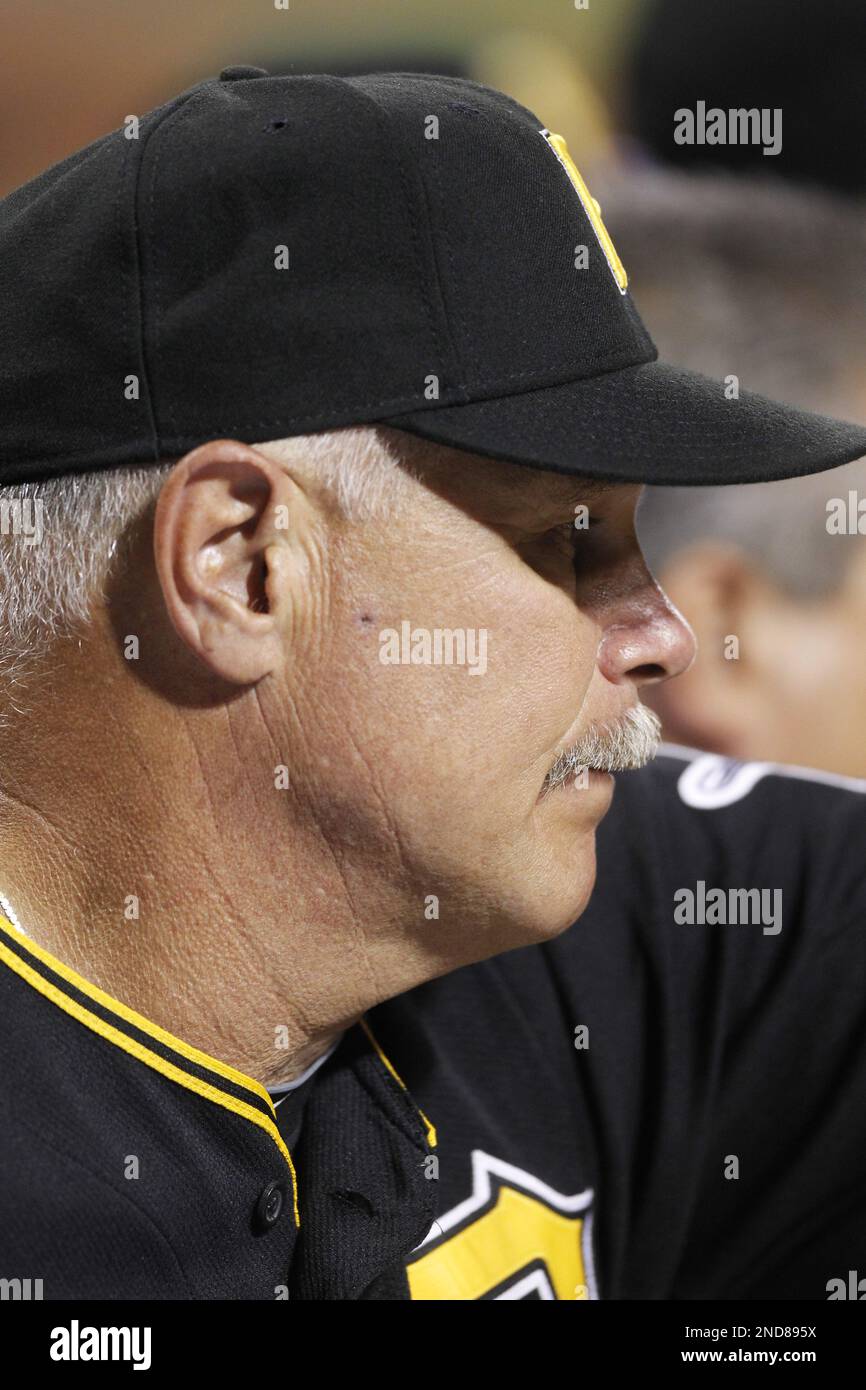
590 207
515 1237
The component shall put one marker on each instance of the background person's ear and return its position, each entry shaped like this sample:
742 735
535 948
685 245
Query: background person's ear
223 559
717 591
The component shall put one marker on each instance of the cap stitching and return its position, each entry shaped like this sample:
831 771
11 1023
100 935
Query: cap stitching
618 360
180 113
118 231
456 354
166 114
495 394
131 284
443 222
170 412
403 405
384 121
464 83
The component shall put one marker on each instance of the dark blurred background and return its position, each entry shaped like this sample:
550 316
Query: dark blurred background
613 72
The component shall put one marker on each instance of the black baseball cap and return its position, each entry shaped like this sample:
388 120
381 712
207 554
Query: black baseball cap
266 256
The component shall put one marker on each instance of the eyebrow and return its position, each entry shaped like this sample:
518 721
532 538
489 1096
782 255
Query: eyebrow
597 487
580 490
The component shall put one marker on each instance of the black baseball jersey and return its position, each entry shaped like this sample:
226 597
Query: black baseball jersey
667 1101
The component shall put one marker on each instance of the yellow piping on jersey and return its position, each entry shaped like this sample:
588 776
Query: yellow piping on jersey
136 1049
431 1129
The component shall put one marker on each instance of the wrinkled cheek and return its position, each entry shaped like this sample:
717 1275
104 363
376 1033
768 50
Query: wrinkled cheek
458 730
542 659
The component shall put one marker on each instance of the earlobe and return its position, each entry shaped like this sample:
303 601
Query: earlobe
213 533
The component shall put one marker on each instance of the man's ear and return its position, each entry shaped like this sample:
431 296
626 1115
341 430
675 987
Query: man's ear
714 587
225 563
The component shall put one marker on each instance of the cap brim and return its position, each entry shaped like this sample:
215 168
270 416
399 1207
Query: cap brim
653 423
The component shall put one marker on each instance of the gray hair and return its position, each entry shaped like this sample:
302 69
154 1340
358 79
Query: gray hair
749 276
48 590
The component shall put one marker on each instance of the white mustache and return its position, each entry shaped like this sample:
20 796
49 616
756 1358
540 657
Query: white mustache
629 743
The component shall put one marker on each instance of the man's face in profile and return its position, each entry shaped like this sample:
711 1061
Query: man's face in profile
462 782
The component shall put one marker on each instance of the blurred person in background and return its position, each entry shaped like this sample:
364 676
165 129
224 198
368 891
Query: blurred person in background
764 282
805 60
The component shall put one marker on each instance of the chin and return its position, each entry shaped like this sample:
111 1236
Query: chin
562 894
577 903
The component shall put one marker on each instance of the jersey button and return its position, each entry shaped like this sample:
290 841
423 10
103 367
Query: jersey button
269 1207
239 71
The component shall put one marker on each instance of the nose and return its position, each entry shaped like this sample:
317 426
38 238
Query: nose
645 639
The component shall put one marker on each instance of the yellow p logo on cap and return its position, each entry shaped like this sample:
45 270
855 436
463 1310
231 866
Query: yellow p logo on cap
590 207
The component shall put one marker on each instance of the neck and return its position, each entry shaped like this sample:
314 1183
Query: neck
194 963
204 900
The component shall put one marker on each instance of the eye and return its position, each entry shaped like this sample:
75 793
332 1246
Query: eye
570 535
587 523
561 552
